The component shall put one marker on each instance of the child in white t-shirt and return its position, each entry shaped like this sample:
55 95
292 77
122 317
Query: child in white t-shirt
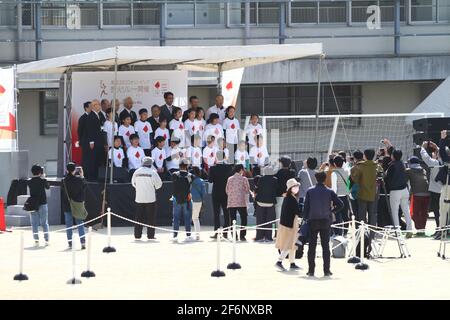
174 154
134 154
259 156
108 127
222 146
194 152
209 153
213 128
176 126
126 130
144 129
117 153
241 155
253 129
191 127
159 155
162 131
231 127
200 123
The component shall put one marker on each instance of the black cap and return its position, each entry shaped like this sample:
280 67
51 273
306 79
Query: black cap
71 167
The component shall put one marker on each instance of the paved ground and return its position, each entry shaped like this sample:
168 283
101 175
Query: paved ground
163 270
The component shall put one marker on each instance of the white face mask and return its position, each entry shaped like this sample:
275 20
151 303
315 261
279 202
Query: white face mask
295 189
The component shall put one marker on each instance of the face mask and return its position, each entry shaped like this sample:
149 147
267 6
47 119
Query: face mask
295 189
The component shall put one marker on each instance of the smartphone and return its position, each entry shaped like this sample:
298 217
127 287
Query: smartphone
78 171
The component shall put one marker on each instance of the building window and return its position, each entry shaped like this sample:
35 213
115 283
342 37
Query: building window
116 14
300 100
48 115
444 10
332 12
53 14
180 14
268 12
387 10
236 13
210 13
304 12
7 14
146 14
89 14
423 10
27 14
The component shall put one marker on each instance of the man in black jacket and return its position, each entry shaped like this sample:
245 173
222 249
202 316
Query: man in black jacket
81 131
128 106
194 104
167 108
155 118
218 176
95 141
320 202
266 199
73 187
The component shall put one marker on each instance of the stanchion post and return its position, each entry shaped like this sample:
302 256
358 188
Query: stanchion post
109 248
234 265
353 259
21 276
362 265
218 272
88 273
73 280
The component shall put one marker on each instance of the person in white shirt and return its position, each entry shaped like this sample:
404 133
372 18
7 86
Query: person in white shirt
339 184
173 156
253 129
194 152
192 127
200 123
117 153
146 181
209 153
135 154
222 146
213 128
126 130
108 127
162 131
176 126
159 155
218 109
144 129
259 157
241 155
231 127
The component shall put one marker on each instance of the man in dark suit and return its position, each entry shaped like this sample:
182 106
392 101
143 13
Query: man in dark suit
81 130
154 119
128 105
105 106
194 104
218 175
95 141
166 109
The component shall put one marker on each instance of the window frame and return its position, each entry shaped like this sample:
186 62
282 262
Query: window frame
42 125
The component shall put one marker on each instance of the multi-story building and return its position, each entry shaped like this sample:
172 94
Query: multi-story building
391 68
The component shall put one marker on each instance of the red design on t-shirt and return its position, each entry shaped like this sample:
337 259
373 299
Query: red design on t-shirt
216 131
181 126
211 155
127 134
165 136
160 156
137 154
242 158
196 155
119 156
233 126
255 132
259 154
145 129
193 128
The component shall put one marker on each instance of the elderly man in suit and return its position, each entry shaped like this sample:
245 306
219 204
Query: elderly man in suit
167 108
81 131
128 106
95 140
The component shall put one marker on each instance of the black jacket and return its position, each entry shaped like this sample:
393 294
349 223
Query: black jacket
289 211
218 175
94 130
266 189
37 187
182 181
396 176
283 175
318 202
166 113
153 123
75 187
125 113
82 130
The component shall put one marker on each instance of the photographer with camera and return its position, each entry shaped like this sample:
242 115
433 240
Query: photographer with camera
442 177
429 153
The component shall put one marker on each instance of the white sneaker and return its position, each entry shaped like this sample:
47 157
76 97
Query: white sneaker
197 237
36 243
47 243
175 239
189 239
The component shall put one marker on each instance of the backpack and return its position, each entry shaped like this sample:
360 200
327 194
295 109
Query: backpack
182 187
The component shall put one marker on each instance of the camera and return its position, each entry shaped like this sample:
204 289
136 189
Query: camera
78 171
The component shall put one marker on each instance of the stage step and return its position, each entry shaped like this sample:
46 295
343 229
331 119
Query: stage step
22 199
17 221
16 210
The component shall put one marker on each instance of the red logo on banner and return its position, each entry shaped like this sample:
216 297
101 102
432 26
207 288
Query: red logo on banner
137 155
233 126
145 129
157 85
119 156
127 134
2 90
229 85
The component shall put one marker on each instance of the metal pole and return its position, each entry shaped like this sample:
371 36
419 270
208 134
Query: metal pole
19 29
282 23
397 27
318 104
162 24
247 23
113 121
219 79
16 105
37 27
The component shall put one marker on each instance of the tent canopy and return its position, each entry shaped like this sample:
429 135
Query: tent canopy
208 59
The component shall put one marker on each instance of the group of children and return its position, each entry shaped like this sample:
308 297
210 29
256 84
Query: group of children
195 139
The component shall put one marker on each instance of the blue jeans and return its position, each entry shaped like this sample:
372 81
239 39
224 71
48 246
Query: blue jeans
69 223
178 210
40 217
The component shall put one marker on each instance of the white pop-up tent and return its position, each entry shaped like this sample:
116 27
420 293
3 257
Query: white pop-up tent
206 59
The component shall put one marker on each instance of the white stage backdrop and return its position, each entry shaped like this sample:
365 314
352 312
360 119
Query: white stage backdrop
8 137
145 87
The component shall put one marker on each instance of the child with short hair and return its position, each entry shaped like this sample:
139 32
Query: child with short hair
231 127
209 153
159 155
118 154
253 130
126 130
213 128
176 126
200 123
162 131
259 157
198 191
241 155
108 127
222 146
191 128
194 152
174 154
144 129
134 154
